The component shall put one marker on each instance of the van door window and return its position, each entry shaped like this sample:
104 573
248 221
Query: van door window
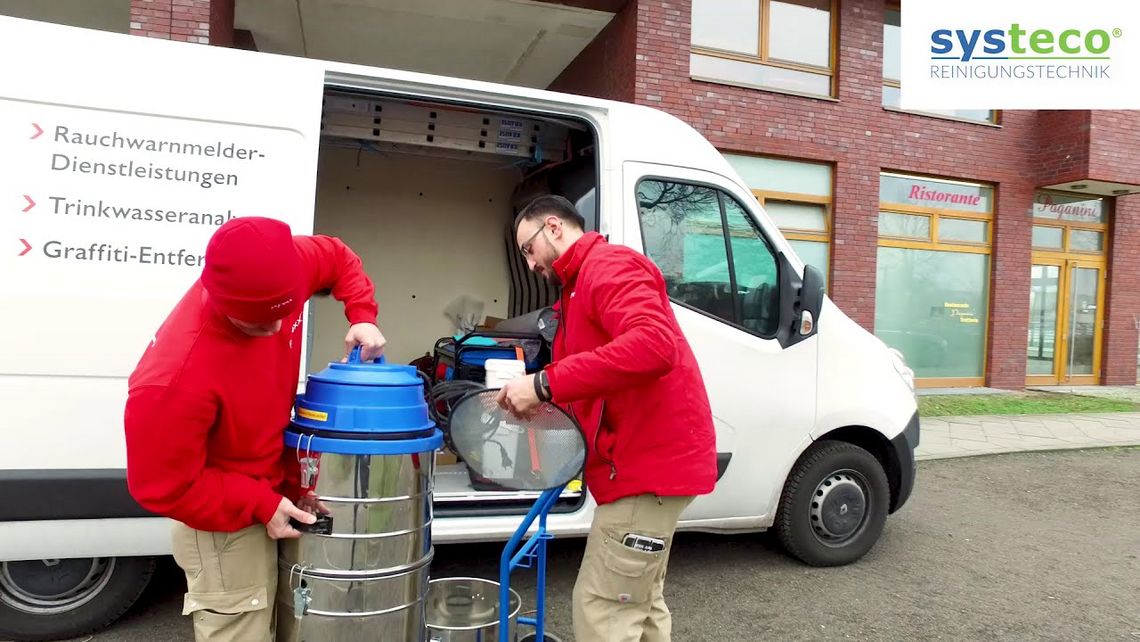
712 256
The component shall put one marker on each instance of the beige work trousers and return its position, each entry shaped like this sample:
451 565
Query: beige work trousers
619 595
231 582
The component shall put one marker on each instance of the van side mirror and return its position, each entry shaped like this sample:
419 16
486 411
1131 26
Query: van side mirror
801 300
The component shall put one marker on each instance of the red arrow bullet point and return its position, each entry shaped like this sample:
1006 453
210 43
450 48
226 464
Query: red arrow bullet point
38 131
31 203
27 247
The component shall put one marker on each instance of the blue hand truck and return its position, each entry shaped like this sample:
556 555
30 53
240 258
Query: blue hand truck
528 554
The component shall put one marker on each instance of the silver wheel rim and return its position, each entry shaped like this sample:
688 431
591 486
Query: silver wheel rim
839 508
89 578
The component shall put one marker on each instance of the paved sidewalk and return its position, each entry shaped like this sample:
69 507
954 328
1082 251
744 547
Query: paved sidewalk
943 437
1123 393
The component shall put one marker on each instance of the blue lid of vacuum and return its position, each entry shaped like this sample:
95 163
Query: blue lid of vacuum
306 444
364 397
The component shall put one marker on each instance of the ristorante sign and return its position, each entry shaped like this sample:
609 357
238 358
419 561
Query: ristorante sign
938 194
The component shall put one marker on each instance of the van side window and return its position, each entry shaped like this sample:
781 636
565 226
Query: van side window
686 230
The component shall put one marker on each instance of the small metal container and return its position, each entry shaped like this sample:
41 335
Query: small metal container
466 609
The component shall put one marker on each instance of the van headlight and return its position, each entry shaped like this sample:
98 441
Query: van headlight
899 362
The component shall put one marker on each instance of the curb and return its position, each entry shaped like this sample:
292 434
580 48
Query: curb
1008 451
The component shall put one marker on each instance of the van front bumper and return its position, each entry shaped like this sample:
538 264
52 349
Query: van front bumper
904 444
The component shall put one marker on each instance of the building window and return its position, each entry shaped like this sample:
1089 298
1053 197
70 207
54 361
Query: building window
713 257
1069 222
892 71
797 197
786 45
933 274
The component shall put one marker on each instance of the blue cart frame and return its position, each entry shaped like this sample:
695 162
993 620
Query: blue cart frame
532 552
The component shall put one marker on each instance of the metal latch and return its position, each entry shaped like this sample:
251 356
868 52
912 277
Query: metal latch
302 595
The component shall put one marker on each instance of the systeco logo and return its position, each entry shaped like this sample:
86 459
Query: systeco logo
1019 54
1039 53
1019 43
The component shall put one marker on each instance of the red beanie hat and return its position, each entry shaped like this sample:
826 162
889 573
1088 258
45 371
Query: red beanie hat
252 271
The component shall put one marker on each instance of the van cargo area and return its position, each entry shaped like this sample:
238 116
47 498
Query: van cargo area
426 194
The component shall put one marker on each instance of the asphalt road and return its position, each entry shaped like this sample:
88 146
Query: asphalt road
1032 546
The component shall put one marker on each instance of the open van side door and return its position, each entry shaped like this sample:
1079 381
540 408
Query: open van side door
722 265
121 156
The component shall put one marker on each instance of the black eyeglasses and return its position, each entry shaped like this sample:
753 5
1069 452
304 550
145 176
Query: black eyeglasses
526 246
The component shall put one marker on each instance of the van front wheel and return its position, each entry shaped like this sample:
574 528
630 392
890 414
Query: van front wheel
834 504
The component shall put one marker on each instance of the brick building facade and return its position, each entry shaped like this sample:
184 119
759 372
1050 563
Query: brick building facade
643 55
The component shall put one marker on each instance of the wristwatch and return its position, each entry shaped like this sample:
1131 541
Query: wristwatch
542 386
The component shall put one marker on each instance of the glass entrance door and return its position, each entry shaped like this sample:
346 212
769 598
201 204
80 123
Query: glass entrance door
1082 334
1044 302
1066 300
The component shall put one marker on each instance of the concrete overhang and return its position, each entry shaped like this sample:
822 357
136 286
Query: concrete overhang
517 42
105 15
1095 187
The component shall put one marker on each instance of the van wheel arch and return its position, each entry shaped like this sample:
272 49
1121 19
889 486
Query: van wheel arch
834 503
878 445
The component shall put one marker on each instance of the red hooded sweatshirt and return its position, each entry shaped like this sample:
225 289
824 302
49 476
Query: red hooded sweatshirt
625 371
208 404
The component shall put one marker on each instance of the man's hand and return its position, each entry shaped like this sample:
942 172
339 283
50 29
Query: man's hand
519 398
368 337
278 526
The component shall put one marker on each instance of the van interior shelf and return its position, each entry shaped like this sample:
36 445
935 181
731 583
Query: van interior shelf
392 125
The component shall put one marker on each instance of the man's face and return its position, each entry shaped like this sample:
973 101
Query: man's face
533 238
257 329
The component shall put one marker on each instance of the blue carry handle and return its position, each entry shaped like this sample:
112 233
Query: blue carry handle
354 356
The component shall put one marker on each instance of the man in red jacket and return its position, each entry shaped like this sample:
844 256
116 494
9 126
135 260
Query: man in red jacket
208 404
624 370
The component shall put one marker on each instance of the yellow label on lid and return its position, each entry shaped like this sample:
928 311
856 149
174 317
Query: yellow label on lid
312 414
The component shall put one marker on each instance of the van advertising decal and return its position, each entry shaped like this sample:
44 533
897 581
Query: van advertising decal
109 213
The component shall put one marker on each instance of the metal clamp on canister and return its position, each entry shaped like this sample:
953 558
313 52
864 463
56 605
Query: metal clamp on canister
323 525
302 594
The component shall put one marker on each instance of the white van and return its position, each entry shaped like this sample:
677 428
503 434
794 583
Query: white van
121 155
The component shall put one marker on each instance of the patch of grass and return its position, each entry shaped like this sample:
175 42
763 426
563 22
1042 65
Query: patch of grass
1023 403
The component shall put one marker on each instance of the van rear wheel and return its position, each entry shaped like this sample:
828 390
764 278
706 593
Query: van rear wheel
63 598
834 504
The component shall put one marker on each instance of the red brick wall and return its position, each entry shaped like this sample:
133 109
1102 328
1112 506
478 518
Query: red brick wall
222 23
187 20
861 138
1114 155
1063 145
605 68
1123 294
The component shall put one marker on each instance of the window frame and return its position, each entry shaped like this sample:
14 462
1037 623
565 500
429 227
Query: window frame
994 119
1067 227
812 236
737 303
795 234
763 57
934 244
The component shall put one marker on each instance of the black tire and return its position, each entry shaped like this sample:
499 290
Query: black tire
533 637
834 504
66 598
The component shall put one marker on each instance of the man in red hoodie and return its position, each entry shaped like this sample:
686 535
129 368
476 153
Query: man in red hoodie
624 370
208 405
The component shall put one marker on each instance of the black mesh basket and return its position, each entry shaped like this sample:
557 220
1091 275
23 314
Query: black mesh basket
505 452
